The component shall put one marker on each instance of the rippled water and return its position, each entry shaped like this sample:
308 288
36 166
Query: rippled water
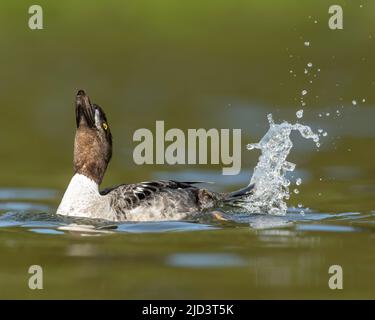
253 255
40 218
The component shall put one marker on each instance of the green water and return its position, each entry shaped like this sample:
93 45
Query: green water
192 64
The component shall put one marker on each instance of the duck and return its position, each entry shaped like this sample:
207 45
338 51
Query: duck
145 201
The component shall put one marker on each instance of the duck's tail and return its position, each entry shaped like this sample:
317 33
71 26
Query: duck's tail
209 199
239 195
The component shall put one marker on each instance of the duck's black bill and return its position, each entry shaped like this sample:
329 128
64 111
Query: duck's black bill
84 110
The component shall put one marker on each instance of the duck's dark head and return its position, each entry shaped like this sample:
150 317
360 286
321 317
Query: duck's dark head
93 141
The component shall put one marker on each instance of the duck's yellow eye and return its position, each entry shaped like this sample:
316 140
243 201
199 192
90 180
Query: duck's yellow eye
105 126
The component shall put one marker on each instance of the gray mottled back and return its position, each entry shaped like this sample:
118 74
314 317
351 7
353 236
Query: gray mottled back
163 198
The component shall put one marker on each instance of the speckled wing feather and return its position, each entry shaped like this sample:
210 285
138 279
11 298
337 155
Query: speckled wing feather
165 196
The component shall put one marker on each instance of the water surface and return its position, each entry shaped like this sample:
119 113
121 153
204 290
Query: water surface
250 255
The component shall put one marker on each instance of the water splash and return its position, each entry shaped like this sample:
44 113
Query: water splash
271 184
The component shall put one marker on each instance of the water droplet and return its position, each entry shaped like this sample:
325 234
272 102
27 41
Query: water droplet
325 134
296 191
298 181
304 92
328 114
307 43
250 146
354 102
299 114
288 166
309 64
363 100
270 119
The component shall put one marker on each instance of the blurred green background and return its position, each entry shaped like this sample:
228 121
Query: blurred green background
219 64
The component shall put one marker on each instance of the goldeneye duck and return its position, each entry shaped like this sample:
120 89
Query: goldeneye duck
144 201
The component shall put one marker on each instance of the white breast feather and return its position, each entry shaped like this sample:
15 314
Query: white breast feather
82 199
